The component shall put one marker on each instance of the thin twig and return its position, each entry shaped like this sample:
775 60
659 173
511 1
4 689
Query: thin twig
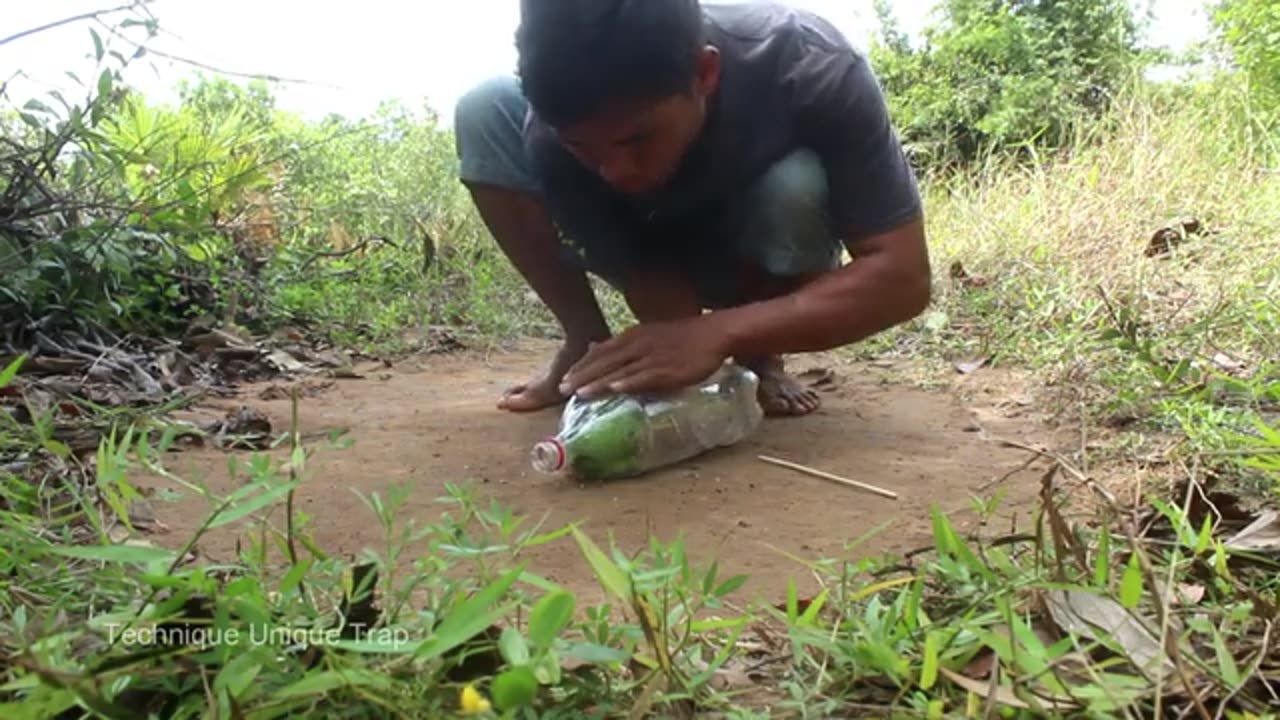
988 485
1253 673
295 442
204 66
1061 461
75 18
1169 645
828 476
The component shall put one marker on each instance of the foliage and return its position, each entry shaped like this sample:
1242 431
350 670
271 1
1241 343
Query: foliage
114 205
1004 73
1087 622
1160 226
1251 29
1135 270
140 217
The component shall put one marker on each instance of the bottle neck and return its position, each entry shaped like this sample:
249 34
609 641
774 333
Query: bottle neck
548 456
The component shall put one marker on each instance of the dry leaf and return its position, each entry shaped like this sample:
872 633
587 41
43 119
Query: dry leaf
1227 364
1184 594
118 534
1261 534
285 362
1004 694
981 665
731 678
141 512
243 427
969 366
1096 617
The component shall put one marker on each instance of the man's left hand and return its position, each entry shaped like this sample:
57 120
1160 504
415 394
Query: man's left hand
655 357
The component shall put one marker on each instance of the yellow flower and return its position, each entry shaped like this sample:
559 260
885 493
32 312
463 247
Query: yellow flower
473 703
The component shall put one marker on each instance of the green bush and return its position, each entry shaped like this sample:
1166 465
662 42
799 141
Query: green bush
1001 73
1251 29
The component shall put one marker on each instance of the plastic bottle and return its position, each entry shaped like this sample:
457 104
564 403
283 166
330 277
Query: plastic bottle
626 435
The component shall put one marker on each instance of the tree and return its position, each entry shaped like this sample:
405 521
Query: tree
1002 73
1251 29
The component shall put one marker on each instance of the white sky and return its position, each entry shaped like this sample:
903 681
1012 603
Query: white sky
368 51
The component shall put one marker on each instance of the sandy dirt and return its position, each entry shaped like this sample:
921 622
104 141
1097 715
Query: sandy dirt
433 420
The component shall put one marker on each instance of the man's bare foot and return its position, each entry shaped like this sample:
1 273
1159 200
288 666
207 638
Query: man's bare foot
539 393
544 390
780 394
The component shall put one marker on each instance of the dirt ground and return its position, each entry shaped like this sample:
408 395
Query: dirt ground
433 420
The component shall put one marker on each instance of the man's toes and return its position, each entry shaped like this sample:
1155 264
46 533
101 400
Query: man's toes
806 401
785 399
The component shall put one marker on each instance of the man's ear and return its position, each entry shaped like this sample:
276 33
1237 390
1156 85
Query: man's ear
707 76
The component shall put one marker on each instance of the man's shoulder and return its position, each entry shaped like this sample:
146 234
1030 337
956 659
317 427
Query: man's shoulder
759 21
780 56
752 25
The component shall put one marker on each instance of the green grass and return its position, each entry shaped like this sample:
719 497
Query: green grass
1184 345
1059 281
91 624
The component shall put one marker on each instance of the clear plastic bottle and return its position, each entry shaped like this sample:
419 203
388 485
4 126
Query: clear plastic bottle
626 435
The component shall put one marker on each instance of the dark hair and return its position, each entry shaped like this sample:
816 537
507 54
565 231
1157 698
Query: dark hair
578 55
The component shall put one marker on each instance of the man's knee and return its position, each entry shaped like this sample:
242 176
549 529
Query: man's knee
488 127
788 227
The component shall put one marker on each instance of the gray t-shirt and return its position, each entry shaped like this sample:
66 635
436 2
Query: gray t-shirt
789 79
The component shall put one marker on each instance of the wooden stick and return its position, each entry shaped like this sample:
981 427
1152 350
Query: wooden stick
828 476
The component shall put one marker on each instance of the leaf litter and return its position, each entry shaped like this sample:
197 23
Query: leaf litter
74 389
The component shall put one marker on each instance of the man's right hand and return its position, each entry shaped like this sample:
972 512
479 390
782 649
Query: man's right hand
544 390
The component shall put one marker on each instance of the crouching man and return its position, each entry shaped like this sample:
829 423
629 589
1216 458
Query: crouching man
696 158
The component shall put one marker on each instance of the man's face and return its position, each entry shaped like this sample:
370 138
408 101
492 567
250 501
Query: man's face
636 147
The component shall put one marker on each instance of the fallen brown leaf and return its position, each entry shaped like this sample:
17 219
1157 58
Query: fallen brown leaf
1005 695
285 362
242 427
1185 594
981 665
1262 534
1100 618
968 367
1227 364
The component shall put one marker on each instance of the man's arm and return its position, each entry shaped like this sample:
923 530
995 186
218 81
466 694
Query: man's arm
527 235
841 112
888 283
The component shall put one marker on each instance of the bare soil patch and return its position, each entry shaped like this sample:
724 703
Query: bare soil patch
432 420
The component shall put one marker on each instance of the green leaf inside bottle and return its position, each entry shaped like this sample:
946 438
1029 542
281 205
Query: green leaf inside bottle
610 444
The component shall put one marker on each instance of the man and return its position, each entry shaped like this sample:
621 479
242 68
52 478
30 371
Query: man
695 158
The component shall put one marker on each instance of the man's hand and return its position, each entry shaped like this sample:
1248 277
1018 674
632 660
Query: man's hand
653 357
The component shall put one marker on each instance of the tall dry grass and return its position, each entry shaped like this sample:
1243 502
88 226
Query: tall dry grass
1052 237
